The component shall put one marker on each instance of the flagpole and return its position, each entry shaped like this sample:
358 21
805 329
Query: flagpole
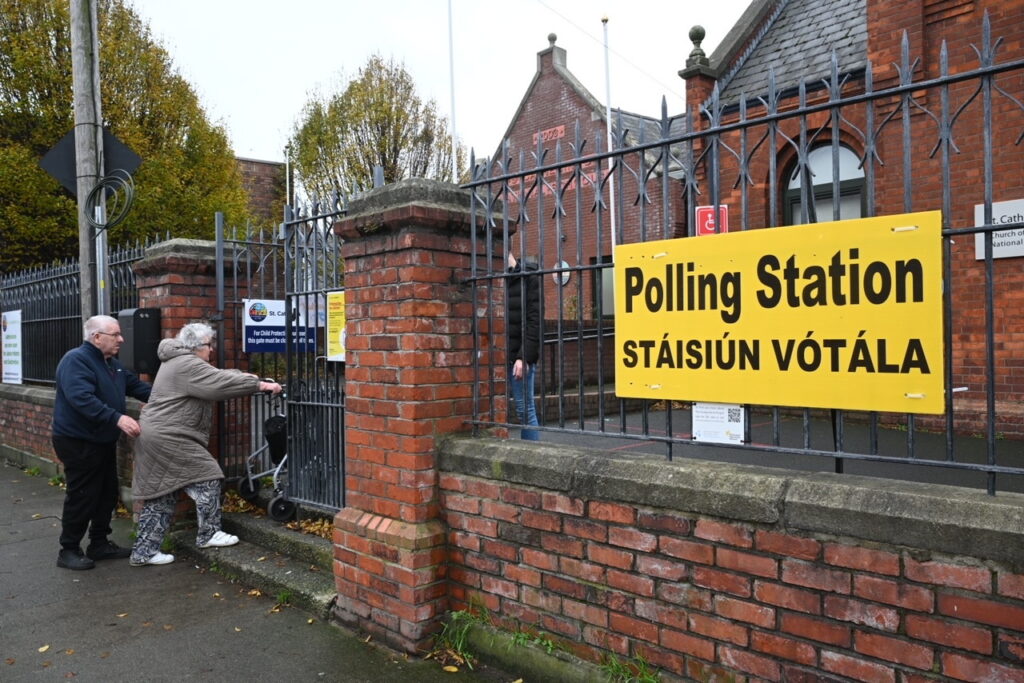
451 80
608 127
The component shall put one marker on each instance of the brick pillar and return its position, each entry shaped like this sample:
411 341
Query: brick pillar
180 278
408 382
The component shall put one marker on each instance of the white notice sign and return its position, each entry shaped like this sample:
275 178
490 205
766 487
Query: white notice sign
1005 243
718 422
10 324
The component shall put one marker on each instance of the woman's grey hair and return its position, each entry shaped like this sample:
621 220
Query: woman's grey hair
194 335
96 324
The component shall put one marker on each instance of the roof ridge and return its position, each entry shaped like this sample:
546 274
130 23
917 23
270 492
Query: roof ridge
724 81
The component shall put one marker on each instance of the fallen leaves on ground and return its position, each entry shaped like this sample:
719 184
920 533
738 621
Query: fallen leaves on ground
235 503
44 648
324 528
447 657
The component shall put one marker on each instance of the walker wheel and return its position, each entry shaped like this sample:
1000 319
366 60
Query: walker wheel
248 489
281 509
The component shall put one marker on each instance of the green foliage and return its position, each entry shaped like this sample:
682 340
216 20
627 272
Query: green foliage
188 170
636 670
378 119
451 647
33 471
526 636
452 644
58 481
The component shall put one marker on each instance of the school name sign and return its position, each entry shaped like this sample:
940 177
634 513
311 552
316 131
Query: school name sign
844 315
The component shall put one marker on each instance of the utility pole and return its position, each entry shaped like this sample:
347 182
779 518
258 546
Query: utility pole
85 69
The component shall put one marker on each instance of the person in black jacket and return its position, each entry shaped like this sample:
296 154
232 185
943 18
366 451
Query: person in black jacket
523 324
88 417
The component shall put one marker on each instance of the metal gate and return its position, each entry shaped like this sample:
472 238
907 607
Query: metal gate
314 274
300 265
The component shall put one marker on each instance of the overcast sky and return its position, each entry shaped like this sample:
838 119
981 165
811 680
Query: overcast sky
254 63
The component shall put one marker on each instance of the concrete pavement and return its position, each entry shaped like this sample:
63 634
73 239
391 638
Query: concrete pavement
169 623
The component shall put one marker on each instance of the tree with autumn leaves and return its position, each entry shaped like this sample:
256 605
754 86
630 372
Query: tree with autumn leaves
378 119
188 171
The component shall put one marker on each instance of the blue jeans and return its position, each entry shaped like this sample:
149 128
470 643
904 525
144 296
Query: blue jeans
526 410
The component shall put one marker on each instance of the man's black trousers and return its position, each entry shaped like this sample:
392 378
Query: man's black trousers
92 489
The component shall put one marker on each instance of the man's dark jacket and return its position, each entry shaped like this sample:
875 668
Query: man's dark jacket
524 320
91 395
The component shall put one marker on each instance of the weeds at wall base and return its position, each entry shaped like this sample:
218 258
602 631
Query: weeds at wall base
452 650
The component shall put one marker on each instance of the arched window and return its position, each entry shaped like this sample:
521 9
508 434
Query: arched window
851 187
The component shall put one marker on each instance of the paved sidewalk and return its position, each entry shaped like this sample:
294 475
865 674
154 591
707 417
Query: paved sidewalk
169 623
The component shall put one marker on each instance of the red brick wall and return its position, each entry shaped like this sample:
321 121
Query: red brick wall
25 417
714 599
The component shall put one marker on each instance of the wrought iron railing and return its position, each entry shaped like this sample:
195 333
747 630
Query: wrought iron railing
49 298
922 144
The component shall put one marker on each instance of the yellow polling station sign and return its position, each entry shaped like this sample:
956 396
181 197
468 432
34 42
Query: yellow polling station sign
845 315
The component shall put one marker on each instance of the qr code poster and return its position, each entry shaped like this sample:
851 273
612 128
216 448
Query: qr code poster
718 422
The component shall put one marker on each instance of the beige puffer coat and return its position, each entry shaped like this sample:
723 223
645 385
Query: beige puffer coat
171 450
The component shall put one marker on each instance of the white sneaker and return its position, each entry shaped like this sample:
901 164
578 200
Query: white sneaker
220 540
159 558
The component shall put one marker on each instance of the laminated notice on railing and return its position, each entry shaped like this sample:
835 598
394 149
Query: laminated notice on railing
10 323
264 328
845 315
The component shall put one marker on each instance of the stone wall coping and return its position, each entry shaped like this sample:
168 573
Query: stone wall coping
44 396
931 517
28 393
413 201
183 248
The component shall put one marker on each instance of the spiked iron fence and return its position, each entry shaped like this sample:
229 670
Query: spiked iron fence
51 310
915 141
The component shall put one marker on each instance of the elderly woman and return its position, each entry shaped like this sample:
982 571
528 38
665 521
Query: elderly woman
170 452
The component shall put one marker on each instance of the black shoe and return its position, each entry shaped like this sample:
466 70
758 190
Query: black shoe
107 550
73 558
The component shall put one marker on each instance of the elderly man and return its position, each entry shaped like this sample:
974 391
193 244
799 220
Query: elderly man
88 417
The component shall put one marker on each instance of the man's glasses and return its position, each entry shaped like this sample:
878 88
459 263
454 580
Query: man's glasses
110 334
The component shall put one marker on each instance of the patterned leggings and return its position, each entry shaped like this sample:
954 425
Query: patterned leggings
157 514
